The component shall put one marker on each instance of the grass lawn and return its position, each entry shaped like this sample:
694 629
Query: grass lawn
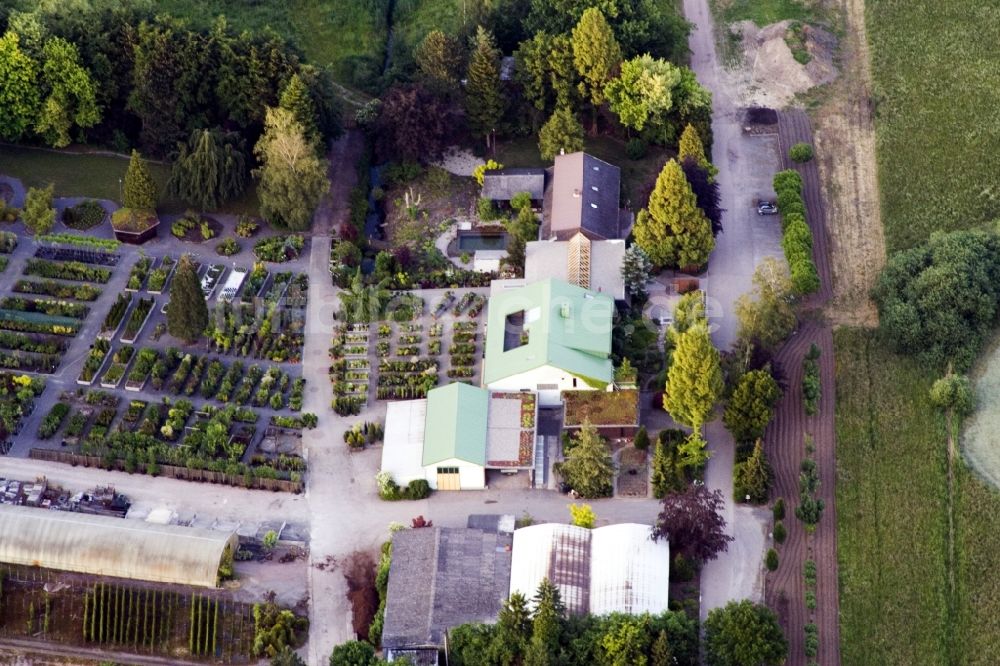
937 91
761 12
895 603
638 176
413 19
329 32
79 175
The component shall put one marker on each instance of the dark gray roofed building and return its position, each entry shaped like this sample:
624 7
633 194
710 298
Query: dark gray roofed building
440 578
503 184
584 199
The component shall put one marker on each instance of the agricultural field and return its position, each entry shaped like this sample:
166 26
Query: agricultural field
896 605
937 106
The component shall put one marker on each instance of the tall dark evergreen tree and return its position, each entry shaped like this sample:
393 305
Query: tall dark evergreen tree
187 313
295 97
483 97
706 191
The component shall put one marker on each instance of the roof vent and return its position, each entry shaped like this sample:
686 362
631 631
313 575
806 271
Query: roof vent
594 187
593 205
597 168
565 310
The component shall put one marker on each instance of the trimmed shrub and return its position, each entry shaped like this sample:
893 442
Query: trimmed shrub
800 152
771 559
780 533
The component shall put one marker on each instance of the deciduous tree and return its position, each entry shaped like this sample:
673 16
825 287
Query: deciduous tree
742 633
953 393
187 313
642 94
292 178
582 515
692 522
694 380
18 88
484 100
766 316
140 188
588 468
415 124
38 214
673 230
751 406
354 653
69 93
561 133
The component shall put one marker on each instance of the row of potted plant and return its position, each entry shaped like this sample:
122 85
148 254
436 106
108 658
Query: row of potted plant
79 292
137 320
66 270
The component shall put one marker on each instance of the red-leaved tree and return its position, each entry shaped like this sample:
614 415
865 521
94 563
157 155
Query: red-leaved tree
692 522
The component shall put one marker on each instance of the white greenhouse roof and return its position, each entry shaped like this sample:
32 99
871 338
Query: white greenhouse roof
116 547
612 569
403 447
629 572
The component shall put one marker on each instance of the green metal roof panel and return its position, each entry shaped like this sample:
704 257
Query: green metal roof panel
456 424
568 327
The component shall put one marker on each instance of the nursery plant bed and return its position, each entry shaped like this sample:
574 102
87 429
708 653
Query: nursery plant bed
144 305
138 275
211 279
166 268
115 317
100 351
134 225
116 372
83 255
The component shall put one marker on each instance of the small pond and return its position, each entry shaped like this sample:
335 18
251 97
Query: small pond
470 241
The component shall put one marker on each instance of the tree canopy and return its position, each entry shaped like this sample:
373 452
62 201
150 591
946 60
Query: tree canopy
440 60
938 301
38 213
18 88
187 313
742 633
596 53
672 230
292 178
751 406
562 133
140 189
484 102
588 468
694 380
69 93
691 520
210 169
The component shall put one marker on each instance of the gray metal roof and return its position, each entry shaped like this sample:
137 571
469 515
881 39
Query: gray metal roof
585 194
116 547
503 184
442 577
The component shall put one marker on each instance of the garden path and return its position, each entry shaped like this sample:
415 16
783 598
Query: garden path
15 184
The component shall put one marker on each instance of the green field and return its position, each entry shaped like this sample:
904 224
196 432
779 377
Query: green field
937 102
84 175
761 12
329 32
895 601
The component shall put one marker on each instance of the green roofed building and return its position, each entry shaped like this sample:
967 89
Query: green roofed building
457 433
549 336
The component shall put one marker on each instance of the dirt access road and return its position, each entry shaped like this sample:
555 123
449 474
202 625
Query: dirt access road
746 165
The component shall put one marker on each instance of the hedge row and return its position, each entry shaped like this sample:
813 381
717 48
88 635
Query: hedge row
797 240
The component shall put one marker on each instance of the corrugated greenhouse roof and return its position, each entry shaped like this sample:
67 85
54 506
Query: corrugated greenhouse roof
116 547
611 569
456 424
568 327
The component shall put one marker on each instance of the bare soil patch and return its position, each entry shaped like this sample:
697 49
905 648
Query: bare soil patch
359 572
845 152
633 473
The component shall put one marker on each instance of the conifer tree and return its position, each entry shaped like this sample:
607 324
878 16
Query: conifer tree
596 54
752 477
662 655
546 626
295 98
673 230
187 313
561 133
483 96
439 60
752 405
210 169
589 469
690 145
140 188
38 213
694 380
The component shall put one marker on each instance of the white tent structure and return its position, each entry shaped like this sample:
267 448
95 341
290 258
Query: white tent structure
612 569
